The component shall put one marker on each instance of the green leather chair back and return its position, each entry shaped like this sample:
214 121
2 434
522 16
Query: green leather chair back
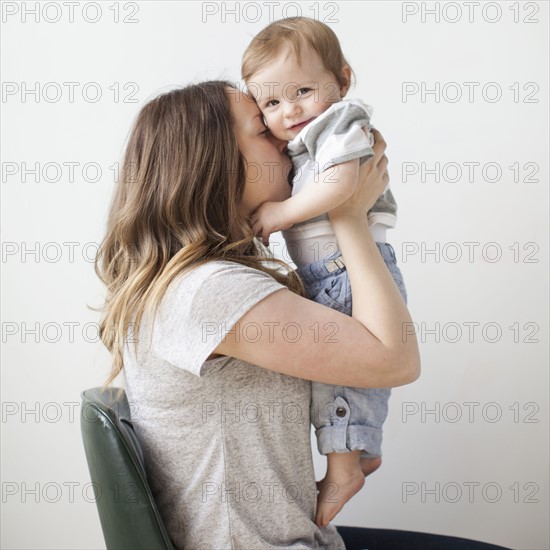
127 511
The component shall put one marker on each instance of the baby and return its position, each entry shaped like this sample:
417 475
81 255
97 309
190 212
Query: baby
296 72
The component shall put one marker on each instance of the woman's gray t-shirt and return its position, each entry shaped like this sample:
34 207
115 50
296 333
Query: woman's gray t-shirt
226 443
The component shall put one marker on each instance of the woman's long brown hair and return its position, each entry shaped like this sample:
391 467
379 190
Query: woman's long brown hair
174 208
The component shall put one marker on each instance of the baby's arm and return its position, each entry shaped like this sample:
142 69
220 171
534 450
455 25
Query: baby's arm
335 185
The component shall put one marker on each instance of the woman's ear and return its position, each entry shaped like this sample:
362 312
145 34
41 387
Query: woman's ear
345 78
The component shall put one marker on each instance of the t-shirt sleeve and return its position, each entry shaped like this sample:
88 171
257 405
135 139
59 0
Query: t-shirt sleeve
201 306
339 137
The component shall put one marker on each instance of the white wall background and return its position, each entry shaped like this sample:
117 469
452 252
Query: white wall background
476 466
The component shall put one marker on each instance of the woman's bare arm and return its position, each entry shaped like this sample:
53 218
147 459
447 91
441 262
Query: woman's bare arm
301 338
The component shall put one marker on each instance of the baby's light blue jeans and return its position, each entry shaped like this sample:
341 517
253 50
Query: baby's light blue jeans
346 419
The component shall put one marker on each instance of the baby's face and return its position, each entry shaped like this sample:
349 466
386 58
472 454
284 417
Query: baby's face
290 95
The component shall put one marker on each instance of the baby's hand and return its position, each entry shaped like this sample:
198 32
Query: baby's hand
268 218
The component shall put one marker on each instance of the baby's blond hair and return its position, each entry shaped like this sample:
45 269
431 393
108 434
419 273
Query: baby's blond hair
294 34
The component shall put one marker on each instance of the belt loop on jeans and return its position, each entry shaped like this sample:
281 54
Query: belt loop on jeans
334 264
392 251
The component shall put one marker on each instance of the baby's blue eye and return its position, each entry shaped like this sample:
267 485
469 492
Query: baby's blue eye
303 91
272 102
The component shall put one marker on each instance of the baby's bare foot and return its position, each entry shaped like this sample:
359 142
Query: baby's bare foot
369 465
343 480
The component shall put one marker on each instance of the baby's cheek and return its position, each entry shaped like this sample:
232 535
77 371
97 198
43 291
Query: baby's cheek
270 121
276 127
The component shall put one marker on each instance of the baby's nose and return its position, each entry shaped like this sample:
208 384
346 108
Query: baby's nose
291 108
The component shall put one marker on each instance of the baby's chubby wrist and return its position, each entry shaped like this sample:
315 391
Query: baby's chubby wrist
284 212
274 216
280 215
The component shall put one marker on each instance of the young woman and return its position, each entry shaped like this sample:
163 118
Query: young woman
216 342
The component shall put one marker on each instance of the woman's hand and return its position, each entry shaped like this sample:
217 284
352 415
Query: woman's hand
373 179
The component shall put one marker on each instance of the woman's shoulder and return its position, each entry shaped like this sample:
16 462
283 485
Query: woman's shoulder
219 285
200 305
219 272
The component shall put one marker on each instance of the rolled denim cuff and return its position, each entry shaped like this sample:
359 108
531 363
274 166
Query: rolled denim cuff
341 437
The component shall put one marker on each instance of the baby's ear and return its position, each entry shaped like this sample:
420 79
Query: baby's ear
345 79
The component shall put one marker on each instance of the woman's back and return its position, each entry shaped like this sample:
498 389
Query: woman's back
228 452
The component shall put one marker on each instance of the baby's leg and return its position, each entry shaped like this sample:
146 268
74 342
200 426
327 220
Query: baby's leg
344 479
370 464
344 418
334 407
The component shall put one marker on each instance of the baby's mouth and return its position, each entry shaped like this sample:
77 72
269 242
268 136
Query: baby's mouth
301 124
